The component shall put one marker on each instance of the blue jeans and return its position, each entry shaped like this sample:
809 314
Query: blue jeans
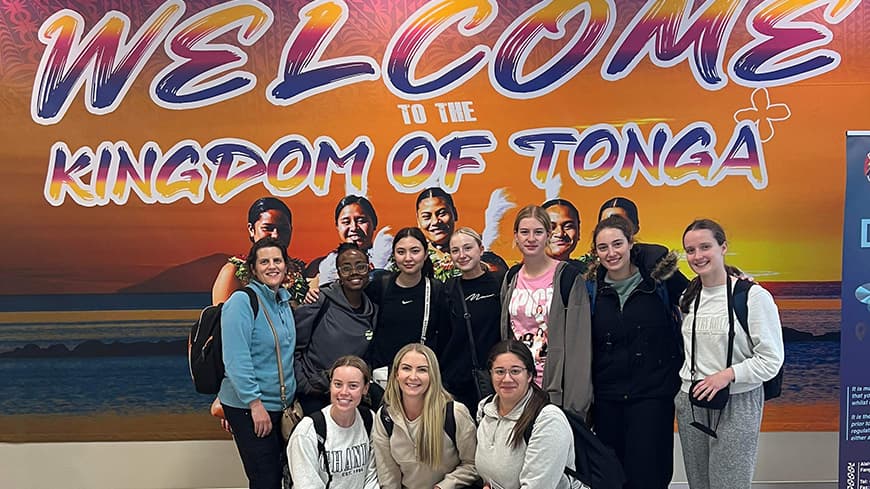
262 458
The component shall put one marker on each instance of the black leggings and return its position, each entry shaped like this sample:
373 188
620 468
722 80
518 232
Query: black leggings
641 432
262 458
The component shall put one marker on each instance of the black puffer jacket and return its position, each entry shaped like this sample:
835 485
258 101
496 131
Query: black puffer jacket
637 349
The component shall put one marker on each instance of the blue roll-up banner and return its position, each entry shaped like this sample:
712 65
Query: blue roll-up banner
854 340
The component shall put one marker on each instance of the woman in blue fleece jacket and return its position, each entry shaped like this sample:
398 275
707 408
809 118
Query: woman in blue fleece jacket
251 393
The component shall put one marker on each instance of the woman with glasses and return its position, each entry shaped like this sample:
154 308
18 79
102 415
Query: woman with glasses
411 441
722 453
523 441
545 305
340 322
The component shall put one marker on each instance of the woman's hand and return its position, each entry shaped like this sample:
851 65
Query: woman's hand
312 295
217 410
262 422
713 384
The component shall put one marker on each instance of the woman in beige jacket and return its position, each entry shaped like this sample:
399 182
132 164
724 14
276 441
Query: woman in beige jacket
416 445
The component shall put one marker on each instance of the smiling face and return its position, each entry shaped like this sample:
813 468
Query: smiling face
465 252
355 226
510 378
274 224
413 375
435 218
705 255
531 237
353 270
347 388
566 232
614 252
409 254
270 267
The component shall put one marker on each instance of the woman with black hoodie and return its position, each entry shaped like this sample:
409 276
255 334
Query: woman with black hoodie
340 322
636 351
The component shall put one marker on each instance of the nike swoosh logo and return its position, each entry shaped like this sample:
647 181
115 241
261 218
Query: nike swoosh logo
407 302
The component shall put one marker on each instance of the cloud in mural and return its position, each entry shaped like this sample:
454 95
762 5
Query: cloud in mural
763 113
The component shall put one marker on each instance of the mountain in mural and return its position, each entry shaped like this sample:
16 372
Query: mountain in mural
195 276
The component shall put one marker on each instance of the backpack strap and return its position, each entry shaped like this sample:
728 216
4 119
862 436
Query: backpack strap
252 296
512 272
741 303
566 281
387 421
320 429
367 418
592 290
450 423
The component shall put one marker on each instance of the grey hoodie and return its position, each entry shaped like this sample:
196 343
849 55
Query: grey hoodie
540 464
340 331
568 371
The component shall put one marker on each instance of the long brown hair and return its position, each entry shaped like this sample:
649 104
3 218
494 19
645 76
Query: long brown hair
539 398
694 287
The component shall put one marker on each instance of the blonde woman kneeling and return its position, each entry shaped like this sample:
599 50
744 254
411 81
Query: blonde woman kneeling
412 440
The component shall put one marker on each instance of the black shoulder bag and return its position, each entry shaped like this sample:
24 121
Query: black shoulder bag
482 379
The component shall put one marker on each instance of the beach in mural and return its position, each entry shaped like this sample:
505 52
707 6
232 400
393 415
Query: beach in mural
123 375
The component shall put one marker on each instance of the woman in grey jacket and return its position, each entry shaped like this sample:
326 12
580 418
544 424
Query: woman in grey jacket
339 323
533 312
504 457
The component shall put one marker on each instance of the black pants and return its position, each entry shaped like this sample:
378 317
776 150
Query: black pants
262 458
641 432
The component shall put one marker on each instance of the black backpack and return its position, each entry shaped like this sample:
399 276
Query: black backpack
596 464
449 422
319 421
204 348
772 387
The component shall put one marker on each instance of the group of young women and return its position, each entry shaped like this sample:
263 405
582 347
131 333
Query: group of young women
604 342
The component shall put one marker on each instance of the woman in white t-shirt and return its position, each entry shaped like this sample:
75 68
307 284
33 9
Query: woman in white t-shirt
535 312
347 461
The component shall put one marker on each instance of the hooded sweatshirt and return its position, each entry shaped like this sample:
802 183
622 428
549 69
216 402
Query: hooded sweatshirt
340 331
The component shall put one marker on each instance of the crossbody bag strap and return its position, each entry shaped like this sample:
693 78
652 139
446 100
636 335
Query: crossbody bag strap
467 318
694 322
730 298
426 301
277 354
730 295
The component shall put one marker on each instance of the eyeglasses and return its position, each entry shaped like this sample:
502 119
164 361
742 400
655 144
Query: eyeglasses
360 268
513 371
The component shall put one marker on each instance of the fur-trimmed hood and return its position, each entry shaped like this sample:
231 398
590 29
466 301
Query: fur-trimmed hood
654 261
